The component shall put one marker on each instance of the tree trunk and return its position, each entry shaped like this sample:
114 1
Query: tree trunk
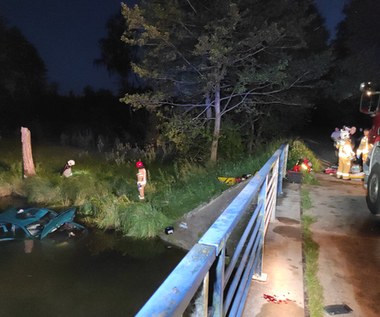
208 107
27 157
251 137
217 122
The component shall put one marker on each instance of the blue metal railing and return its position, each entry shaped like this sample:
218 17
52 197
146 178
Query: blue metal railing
226 281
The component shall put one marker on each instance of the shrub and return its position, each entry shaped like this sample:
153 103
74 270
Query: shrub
142 220
11 180
105 210
298 150
41 191
78 189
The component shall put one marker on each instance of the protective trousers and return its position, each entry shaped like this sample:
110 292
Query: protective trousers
344 168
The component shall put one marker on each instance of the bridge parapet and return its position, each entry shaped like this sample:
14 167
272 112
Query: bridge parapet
221 282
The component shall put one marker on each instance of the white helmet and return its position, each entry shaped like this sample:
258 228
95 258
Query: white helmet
344 134
71 163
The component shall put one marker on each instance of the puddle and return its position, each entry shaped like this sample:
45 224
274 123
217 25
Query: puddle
288 221
289 232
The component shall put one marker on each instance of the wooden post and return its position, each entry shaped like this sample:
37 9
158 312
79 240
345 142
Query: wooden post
27 157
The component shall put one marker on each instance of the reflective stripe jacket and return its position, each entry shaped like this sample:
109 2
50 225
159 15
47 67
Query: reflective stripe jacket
345 150
364 146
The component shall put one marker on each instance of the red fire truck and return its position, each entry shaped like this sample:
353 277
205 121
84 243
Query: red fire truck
370 105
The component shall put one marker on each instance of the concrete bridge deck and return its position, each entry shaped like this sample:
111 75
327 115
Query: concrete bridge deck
280 292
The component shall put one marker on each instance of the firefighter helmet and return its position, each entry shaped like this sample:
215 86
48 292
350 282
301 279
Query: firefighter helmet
344 134
139 164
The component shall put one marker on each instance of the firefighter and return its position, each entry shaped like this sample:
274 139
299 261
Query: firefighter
67 169
354 138
364 146
141 179
345 155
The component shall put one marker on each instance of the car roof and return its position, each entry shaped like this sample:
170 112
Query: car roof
23 217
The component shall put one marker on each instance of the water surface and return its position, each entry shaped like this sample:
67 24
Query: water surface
103 274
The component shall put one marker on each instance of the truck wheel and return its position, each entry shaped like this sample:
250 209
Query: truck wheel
373 190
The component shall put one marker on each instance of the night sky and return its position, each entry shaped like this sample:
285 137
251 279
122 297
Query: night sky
66 34
331 10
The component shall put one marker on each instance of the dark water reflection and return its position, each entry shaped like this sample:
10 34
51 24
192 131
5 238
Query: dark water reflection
104 274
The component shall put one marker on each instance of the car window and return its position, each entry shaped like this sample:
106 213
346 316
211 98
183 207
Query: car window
25 214
34 228
46 218
19 232
9 230
4 232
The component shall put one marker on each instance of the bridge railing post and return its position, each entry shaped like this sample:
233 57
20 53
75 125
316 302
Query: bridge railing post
219 285
262 198
282 167
274 191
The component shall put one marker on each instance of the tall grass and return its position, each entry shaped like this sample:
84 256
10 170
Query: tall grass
143 220
104 190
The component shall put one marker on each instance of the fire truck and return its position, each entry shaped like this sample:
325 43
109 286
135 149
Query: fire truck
370 105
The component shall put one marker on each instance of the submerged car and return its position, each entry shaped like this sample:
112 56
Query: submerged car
36 223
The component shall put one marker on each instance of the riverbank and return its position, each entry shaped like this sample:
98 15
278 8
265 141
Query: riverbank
104 190
191 226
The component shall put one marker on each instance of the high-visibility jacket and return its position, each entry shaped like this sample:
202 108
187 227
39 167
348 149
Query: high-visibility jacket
345 150
364 148
345 156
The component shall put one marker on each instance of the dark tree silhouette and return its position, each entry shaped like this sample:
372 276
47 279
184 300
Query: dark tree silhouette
22 77
215 58
357 49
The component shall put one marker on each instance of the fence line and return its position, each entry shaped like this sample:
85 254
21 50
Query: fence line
225 281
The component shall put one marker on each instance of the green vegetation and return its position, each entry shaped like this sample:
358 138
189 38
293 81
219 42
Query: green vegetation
305 199
103 186
311 252
204 62
299 150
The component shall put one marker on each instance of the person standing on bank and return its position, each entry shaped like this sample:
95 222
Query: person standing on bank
66 170
141 179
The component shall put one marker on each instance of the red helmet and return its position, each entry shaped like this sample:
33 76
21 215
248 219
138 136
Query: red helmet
139 164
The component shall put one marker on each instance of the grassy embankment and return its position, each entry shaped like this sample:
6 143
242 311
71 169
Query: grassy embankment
103 186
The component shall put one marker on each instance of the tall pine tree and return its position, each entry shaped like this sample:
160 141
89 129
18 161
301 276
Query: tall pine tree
217 57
